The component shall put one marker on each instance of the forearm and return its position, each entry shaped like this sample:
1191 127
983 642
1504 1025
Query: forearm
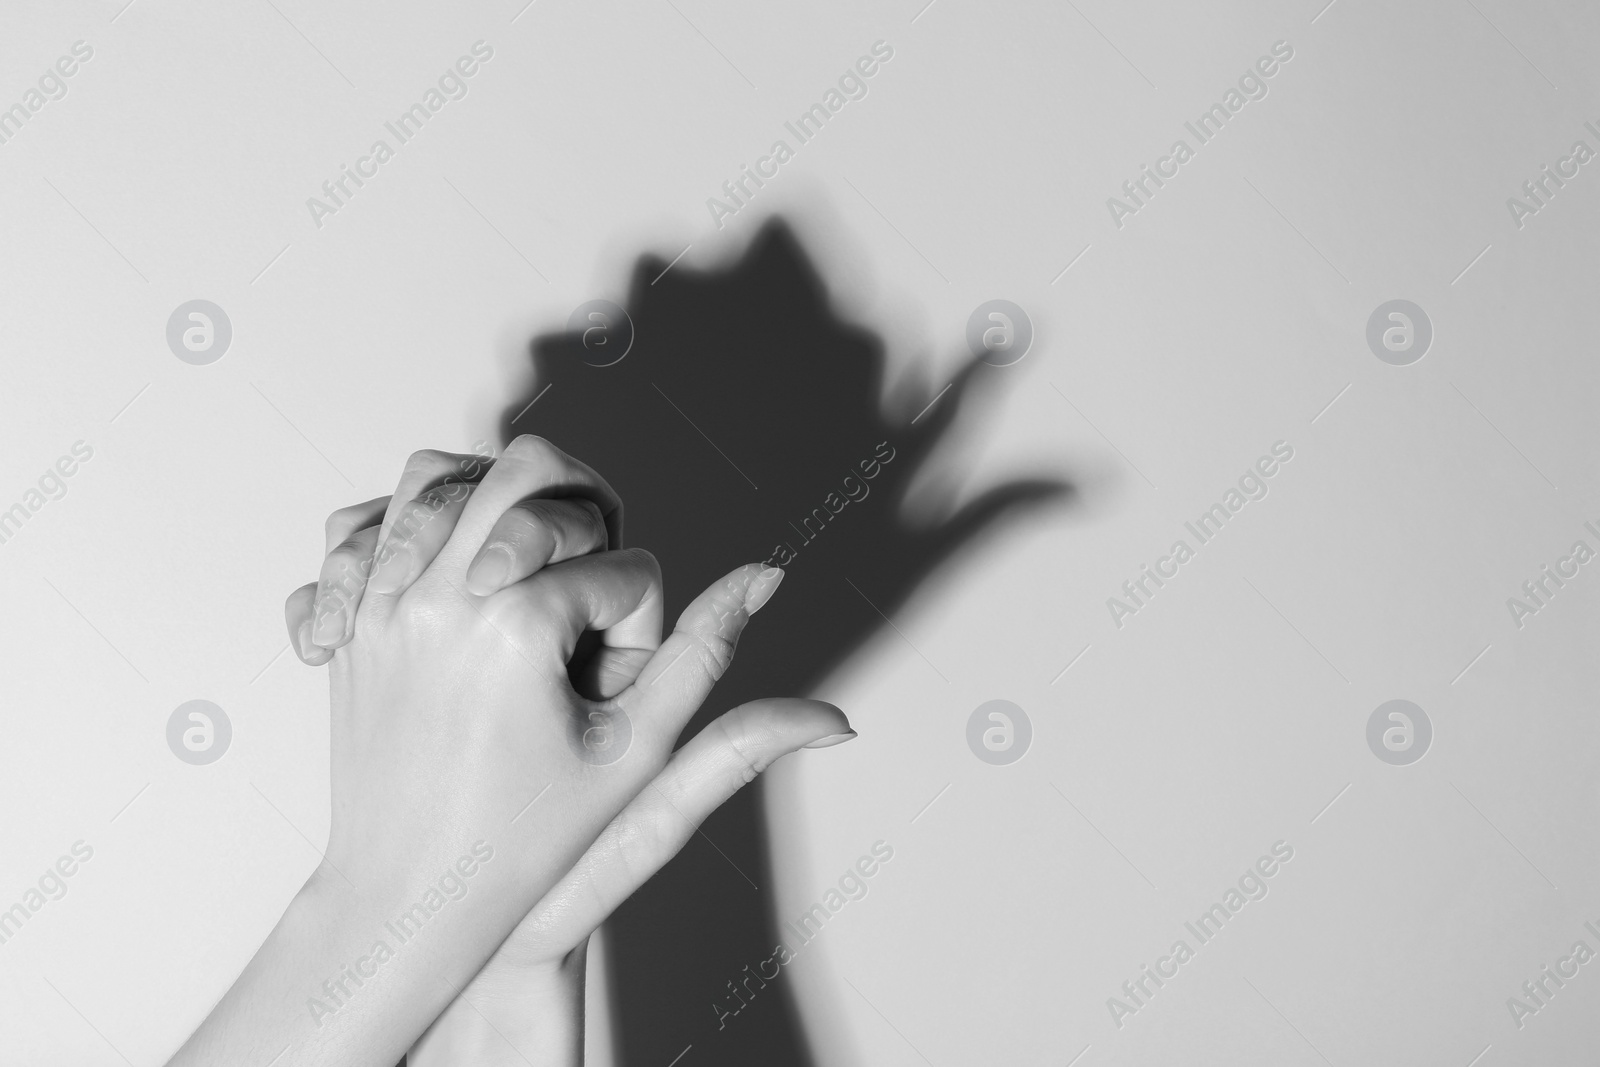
338 983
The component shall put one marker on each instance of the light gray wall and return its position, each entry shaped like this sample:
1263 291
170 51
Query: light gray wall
1171 351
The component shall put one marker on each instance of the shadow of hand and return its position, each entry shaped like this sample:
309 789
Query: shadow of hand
741 426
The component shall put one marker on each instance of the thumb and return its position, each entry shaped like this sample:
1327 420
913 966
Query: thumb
715 764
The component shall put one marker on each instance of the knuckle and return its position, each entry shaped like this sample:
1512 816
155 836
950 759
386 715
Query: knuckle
716 652
726 615
340 520
533 449
641 837
590 513
742 739
349 549
572 523
299 601
350 561
523 528
528 512
426 459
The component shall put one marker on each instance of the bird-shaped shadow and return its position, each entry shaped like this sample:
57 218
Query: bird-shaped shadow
740 426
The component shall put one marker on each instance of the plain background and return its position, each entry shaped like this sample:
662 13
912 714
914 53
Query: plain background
1167 755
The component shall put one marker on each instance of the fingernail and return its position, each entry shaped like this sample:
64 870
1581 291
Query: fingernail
490 570
302 639
761 589
393 570
832 739
329 627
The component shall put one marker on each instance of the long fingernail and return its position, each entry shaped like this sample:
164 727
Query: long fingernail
761 589
490 570
832 739
302 639
329 627
393 570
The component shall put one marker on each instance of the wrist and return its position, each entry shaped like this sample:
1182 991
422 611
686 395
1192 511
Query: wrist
345 975
512 1015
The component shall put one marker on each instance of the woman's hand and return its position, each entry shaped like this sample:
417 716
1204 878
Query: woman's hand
468 773
569 511
526 1005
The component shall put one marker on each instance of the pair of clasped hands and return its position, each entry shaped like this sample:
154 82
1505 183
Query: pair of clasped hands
500 688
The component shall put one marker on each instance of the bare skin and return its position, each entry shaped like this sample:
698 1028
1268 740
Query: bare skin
472 780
